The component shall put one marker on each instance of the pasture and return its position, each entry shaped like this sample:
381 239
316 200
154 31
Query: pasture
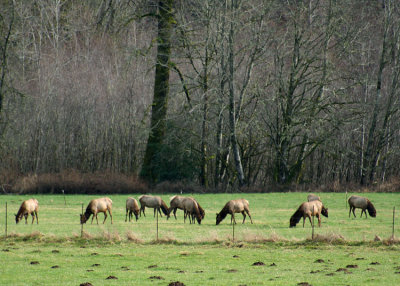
342 253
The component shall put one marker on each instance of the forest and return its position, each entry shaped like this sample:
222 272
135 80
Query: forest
221 95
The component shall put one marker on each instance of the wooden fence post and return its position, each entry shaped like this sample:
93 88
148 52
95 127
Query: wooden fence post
82 223
65 201
157 224
233 231
6 220
312 234
393 222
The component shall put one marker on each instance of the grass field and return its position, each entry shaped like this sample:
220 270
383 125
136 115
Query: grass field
343 252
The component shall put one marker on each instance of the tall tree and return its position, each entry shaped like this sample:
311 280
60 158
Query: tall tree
161 92
6 25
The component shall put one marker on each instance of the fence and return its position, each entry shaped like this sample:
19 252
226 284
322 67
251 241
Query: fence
234 231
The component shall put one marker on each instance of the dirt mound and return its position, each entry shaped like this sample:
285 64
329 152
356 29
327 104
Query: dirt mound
156 278
111 277
176 283
258 263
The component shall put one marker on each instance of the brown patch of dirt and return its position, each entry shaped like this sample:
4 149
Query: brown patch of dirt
89 270
370 269
304 284
181 271
375 263
176 283
235 256
352 266
55 251
156 277
86 284
342 270
94 253
360 258
95 265
5 250
34 262
55 266
258 263
319 261
315 271
199 271
152 266
111 277
231 270
125 268
330 274
272 264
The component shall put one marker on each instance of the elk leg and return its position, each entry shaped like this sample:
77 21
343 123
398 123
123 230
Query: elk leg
319 220
93 215
354 212
244 216
37 219
26 218
110 212
233 217
175 212
105 216
309 218
350 211
364 211
33 217
126 215
248 212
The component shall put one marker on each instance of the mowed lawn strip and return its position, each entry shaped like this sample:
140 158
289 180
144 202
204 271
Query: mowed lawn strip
78 261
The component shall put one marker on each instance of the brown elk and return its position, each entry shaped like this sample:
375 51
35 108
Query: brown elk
308 209
232 207
132 207
363 204
28 207
152 202
101 205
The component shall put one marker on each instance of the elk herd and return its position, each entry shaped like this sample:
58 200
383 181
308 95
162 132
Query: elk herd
193 211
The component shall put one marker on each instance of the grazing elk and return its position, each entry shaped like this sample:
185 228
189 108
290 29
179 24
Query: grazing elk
132 207
101 205
232 207
153 202
309 209
363 204
28 207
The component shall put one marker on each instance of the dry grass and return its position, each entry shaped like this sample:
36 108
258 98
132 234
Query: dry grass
72 182
332 238
133 237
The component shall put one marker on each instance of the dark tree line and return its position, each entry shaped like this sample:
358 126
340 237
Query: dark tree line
217 93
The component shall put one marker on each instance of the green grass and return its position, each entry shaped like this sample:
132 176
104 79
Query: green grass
270 212
199 254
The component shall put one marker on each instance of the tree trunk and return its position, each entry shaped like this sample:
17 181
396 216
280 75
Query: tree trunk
368 155
161 91
232 109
